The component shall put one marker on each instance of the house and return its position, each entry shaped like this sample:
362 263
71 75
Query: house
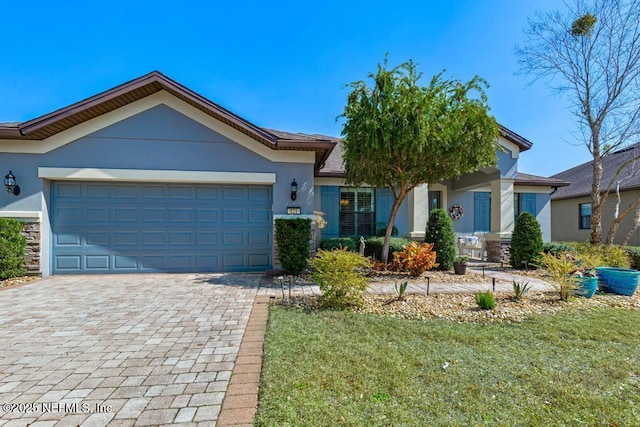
571 205
151 176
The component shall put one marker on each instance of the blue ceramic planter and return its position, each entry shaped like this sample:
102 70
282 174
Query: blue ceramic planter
587 286
622 281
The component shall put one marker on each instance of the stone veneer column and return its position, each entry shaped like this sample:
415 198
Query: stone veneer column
498 241
32 253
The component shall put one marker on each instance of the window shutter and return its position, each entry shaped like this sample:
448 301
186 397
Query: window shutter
482 211
330 200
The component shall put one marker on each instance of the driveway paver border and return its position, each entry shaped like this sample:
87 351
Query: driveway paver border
241 400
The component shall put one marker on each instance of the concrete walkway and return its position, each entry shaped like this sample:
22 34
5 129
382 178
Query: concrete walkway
272 287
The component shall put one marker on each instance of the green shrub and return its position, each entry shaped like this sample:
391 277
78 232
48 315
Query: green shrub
634 255
373 246
555 248
12 246
526 242
603 255
485 300
338 276
440 233
292 236
348 243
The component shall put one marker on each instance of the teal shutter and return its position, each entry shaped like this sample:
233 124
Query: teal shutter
528 203
330 200
482 211
384 203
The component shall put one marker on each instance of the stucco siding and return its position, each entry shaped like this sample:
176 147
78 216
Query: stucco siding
157 139
543 215
565 215
507 165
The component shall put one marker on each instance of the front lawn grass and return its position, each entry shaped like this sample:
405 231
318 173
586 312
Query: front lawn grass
326 368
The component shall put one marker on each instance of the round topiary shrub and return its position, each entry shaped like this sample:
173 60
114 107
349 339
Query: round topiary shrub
440 233
526 242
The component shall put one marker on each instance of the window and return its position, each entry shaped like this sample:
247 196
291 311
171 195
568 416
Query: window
524 202
435 200
357 214
585 216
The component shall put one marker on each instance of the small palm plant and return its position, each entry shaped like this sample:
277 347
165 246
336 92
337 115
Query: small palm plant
519 289
400 289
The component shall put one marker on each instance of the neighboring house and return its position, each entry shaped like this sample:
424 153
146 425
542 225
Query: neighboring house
150 176
571 205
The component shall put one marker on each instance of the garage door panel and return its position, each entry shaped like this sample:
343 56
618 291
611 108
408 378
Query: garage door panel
153 227
97 262
97 191
67 262
125 215
97 214
97 238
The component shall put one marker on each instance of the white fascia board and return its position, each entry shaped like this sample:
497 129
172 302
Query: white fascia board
145 175
22 215
159 98
531 189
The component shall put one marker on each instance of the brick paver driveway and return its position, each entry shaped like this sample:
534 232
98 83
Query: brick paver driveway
120 349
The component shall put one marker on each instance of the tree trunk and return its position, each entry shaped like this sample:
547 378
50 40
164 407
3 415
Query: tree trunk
616 222
392 216
636 225
596 203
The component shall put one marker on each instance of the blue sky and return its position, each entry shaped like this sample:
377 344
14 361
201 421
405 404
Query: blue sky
282 65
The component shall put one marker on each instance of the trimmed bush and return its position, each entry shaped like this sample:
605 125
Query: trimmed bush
555 248
12 246
331 243
292 236
373 246
634 255
338 276
440 233
526 242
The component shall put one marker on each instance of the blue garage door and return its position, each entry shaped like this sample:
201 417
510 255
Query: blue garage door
133 227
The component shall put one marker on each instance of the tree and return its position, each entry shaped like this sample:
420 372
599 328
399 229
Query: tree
592 54
400 135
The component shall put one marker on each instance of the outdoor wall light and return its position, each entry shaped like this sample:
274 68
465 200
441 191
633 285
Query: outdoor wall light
10 183
294 189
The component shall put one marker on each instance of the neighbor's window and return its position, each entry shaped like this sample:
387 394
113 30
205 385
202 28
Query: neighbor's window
357 214
585 216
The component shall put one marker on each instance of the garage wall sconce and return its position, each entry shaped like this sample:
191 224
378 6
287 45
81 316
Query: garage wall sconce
294 189
10 183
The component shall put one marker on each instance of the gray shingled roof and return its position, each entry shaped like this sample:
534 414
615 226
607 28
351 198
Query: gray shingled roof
581 177
535 180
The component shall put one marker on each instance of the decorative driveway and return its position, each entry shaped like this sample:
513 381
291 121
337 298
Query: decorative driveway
121 349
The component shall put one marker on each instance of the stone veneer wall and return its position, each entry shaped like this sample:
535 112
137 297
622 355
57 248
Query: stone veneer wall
32 253
498 250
